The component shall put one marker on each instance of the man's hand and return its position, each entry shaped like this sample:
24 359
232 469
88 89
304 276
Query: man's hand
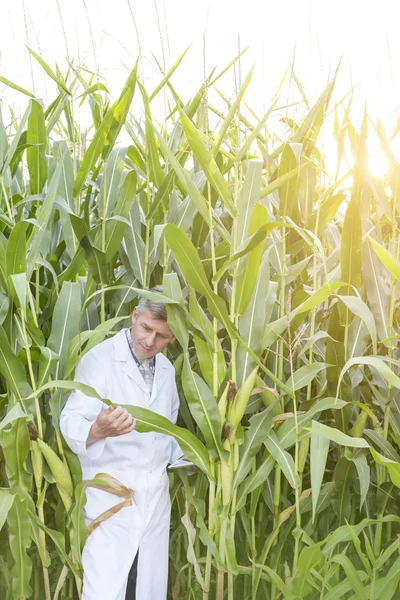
110 423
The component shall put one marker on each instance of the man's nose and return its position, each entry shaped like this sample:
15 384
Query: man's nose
151 338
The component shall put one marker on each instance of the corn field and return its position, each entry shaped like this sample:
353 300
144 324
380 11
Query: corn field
280 283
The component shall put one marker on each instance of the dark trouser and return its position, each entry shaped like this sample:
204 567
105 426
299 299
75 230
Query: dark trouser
132 577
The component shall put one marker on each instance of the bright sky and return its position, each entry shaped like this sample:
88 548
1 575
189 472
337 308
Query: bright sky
107 34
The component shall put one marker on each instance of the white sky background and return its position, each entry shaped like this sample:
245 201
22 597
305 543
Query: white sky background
314 33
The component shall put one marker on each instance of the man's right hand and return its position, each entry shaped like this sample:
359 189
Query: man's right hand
110 423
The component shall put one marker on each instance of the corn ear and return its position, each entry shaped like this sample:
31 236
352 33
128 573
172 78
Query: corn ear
65 497
37 464
238 406
358 428
223 403
58 469
303 453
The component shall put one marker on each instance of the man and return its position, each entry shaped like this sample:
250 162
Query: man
127 369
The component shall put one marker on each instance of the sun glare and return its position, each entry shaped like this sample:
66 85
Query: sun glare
377 164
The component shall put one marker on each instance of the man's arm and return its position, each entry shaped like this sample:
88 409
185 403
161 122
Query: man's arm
86 422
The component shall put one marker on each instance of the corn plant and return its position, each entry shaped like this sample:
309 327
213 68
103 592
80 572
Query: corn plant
281 289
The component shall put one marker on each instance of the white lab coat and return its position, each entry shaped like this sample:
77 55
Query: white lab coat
138 460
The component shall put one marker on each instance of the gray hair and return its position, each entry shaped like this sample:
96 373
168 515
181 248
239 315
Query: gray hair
157 309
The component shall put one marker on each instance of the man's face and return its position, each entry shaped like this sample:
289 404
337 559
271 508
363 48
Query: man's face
149 335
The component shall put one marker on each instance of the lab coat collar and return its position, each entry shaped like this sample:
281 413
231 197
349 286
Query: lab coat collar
123 354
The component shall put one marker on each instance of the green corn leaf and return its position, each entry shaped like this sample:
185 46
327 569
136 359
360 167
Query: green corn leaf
96 258
59 542
318 456
381 560
231 561
12 369
115 229
341 534
204 348
309 558
65 324
360 165
50 72
231 113
207 162
16 249
253 321
111 181
392 467
318 297
352 575
36 139
38 238
194 273
168 75
338 591
310 127
3 141
254 481
363 557
375 362
260 426
20 540
386 258
19 291
136 251
252 243
14 155
185 180
16 87
156 171
203 407
376 438
249 195
358 307
377 293
344 478
340 438
304 375
283 458
96 87
363 472
107 133
351 246
282 180
288 191
387 587
7 498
